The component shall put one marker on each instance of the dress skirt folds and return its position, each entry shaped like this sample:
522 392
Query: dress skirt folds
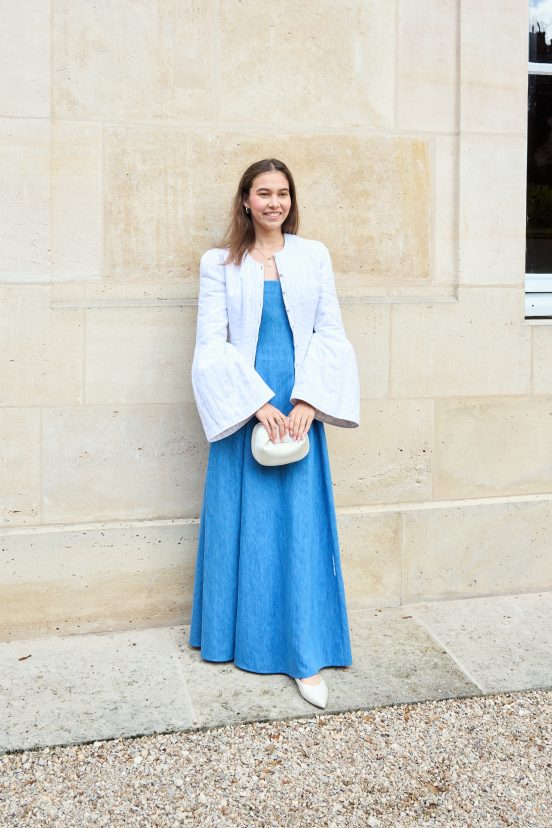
268 588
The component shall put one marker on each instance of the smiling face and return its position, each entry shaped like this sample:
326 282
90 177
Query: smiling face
269 200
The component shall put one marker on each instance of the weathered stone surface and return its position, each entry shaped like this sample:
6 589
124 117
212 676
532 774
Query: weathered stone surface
24 200
445 211
20 485
140 354
427 65
60 580
542 359
493 63
486 447
76 200
492 210
301 65
504 642
367 328
25 59
133 461
170 194
135 60
473 346
370 543
476 548
388 458
41 350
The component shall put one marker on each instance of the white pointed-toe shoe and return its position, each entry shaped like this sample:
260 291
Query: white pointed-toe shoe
316 694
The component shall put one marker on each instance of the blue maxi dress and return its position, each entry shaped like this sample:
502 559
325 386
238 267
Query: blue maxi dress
268 588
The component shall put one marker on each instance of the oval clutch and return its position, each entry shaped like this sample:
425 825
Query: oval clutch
268 453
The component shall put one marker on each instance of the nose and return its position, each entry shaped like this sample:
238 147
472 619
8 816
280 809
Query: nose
273 201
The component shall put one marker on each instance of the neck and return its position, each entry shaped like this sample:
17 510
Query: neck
268 239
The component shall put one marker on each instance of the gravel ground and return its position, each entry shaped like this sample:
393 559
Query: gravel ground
483 761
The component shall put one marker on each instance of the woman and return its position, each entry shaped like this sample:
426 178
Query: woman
270 348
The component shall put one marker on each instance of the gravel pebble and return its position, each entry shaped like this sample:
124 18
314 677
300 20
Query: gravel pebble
484 761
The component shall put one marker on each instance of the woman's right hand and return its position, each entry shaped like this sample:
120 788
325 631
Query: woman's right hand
273 420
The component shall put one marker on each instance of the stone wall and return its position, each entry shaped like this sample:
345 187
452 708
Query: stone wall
124 128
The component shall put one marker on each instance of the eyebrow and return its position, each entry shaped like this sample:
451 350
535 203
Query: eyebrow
260 189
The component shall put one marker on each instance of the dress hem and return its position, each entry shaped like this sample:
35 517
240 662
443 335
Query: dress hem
238 663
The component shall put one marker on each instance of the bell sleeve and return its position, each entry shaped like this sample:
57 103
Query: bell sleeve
227 388
328 377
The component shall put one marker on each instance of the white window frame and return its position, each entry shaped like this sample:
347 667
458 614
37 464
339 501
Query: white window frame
538 286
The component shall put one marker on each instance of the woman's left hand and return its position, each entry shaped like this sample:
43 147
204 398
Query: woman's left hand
299 419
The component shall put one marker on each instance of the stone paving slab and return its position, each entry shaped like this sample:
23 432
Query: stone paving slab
89 687
77 688
394 660
501 642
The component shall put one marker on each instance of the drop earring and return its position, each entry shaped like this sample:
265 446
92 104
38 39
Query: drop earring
247 210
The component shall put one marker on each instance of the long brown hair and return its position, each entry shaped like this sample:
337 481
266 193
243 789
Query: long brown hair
240 233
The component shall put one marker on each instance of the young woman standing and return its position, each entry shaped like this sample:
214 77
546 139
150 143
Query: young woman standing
270 348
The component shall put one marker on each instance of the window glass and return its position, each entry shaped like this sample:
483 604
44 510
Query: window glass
539 143
539 176
540 31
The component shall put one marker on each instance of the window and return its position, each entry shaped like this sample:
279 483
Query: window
538 255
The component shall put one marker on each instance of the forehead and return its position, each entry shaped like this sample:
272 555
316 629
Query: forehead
274 180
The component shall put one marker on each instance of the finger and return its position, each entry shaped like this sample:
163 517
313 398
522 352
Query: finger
267 424
283 426
293 426
275 429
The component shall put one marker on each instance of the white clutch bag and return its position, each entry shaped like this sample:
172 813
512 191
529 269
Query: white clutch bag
268 453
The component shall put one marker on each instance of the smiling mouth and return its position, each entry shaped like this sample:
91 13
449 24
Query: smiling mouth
273 214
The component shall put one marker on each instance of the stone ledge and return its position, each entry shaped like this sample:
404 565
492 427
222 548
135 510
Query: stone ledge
102 577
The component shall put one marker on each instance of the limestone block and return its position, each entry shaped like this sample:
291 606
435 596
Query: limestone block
41 350
149 205
24 201
369 199
444 216
489 446
80 689
137 59
503 642
112 294
127 575
387 458
476 345
493 61
371 557
25 59
140 355
542 359
477 548
492 209
76 200
428 65
126 462
63 580
297 64
20 485
367 328
169 195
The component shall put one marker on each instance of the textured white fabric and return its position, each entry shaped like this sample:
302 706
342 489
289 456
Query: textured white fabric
227 388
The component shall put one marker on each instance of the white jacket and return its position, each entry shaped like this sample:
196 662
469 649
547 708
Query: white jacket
227 388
